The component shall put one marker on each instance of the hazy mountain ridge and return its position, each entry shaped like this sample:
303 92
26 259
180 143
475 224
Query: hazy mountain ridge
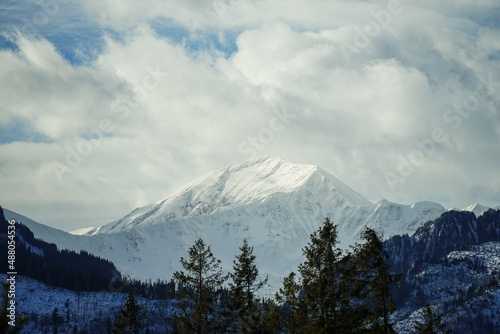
478 209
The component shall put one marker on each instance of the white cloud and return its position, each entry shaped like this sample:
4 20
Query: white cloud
170 114
54 97
228 14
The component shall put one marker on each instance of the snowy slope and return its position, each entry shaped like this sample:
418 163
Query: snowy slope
236 186
275 204
90 312
62 239
304 192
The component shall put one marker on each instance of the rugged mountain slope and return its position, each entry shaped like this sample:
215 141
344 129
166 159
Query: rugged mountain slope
276 205
452 263
454 230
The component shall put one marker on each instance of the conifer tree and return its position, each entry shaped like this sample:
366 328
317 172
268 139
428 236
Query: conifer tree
129 318
322 276
432 324
66 305
56 320
273 321
374 272
288 309
245 284
198 285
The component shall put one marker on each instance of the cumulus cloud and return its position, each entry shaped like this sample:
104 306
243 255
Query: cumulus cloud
360 88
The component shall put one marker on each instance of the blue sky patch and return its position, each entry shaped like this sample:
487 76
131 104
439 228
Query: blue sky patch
75 37
17 130
197 40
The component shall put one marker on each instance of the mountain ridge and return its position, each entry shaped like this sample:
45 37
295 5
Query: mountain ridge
451 263
272 203
230 187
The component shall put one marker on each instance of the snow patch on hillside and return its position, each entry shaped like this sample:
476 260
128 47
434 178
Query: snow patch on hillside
86 310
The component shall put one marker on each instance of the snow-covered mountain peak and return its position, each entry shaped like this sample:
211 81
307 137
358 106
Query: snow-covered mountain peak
350 196
272 203
235 186
477 209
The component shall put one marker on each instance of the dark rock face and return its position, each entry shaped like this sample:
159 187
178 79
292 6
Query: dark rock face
454 230
451 263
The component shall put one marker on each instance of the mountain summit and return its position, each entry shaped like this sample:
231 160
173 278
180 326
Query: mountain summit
241 185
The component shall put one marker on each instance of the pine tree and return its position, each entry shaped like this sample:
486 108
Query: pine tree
322 276
245 284
66 305
129 318
432 324
287 312
273 319
198 285
374 273
56 320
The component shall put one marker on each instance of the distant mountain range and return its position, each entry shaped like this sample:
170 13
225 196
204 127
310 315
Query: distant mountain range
274 204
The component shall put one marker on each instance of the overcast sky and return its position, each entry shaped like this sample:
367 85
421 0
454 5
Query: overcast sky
107 105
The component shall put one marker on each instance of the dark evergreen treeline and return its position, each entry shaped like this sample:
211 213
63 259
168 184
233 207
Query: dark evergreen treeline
335 291
74 271
156 290
61 268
